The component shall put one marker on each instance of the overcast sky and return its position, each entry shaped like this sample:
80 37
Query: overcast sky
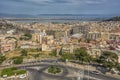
60 6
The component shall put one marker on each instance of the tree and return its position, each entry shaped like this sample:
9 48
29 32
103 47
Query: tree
79 40
26 36
109 59
2 58
36 55
82 55
118 66
24 52
53 53
88 40
18 60
67 56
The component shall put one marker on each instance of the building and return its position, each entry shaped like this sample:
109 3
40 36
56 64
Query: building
94 52
46 47
7 45
43 38
114 36
11 31
69 48
93 35
80 29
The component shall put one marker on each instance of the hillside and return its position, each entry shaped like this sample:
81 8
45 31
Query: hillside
117 18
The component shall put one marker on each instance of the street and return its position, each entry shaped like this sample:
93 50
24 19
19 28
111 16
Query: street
37 72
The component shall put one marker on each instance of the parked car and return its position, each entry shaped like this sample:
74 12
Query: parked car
95 72
119 73
113 71
22 76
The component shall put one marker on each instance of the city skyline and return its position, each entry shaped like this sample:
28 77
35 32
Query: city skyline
35 7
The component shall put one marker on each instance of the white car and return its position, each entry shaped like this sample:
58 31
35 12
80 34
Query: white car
22 76
4 76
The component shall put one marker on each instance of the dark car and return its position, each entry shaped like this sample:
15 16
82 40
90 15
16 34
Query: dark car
95 72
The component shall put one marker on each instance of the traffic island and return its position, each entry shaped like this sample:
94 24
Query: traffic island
54 70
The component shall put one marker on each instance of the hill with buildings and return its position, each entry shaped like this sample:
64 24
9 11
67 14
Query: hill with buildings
4 24
117 18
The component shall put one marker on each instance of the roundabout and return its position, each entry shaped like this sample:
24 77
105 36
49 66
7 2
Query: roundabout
48 71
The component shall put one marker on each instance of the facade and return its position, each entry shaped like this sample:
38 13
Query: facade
80 29
67 48
46 47
93 35
114 36
43 38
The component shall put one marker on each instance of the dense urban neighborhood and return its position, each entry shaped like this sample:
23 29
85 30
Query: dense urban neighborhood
95 44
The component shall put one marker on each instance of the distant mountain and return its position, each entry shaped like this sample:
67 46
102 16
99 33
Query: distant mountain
4 15
39 15
80 17
117 18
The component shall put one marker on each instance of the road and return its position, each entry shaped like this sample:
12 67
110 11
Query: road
37 72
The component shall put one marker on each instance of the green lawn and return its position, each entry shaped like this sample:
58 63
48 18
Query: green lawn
12 71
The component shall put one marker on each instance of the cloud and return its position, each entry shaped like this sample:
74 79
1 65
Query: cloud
95 1
72 2
59 6
49 1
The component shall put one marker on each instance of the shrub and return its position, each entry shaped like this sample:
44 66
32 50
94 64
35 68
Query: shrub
2 58
17 60
54 69
23 52
20 72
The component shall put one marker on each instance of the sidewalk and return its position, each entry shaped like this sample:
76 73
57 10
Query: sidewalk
17 77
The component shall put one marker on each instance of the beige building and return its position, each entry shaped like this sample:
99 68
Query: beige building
114 36
103 36
46 47
7 45
94 52
42 38
93 35
68 48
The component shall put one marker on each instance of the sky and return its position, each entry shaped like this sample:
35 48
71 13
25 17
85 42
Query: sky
35 7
